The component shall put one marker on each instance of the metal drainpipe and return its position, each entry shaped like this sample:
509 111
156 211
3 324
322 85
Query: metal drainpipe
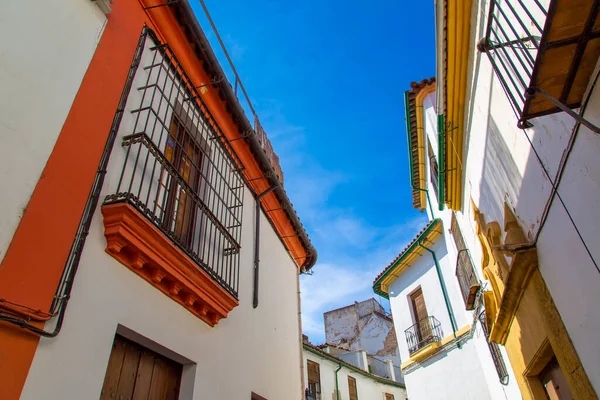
301 337
443 285
257 242
337 389
442 169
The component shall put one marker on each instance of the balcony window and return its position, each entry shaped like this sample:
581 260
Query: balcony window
465 271
175 216
313 392
352 390
425 332
542 54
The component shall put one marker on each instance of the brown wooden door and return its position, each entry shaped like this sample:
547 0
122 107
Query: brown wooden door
418 304
420 313
136 373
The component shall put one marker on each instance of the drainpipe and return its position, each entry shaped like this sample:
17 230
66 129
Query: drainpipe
257 241
443 285
337 389
301 338
441 155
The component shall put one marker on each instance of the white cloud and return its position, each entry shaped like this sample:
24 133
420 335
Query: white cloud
352 251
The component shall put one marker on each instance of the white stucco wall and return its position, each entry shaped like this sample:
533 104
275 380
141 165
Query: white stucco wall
252 350
44 54
501 166
367 388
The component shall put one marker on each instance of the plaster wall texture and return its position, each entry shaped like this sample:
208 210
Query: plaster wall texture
259 347
42 68
502 167
367 388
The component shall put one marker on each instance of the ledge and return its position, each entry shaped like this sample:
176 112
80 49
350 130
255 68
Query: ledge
137 244
425 352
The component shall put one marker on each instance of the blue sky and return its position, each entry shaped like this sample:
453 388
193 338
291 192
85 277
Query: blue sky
327 80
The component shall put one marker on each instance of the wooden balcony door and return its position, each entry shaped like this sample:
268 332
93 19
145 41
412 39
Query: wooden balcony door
420 314
136 373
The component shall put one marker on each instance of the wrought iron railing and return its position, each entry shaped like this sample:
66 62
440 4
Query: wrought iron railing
512 40
178 170
465 270
467 279
424 332
494 352
312 394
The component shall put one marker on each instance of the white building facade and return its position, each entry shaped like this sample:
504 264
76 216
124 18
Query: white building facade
182 280
444 348
330 377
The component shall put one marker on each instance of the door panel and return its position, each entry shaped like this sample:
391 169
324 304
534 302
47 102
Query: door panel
134 372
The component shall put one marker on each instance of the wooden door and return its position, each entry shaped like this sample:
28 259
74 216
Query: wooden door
554 382
423 328
136 373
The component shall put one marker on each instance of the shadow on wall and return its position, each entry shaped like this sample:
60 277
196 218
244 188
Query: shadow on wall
501 179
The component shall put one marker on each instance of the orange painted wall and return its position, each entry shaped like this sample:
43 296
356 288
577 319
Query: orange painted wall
37 254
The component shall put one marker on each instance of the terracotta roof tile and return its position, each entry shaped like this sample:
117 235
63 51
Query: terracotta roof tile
415 88
393 263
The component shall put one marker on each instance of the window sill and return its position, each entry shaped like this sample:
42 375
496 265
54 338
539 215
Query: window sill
137 244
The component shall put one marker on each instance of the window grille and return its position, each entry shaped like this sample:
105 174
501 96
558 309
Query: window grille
178 170
433 169
495 352
465 271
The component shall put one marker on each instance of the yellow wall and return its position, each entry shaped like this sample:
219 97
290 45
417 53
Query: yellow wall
535 332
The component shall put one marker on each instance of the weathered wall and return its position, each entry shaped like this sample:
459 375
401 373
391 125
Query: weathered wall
367 388
363 326
41 69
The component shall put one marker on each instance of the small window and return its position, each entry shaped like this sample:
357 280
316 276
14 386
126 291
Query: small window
433 169
313 392
389 396
352 388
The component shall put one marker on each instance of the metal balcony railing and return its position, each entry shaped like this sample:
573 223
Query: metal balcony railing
178 170
467 279
494 352
539 52
512 41
426 331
